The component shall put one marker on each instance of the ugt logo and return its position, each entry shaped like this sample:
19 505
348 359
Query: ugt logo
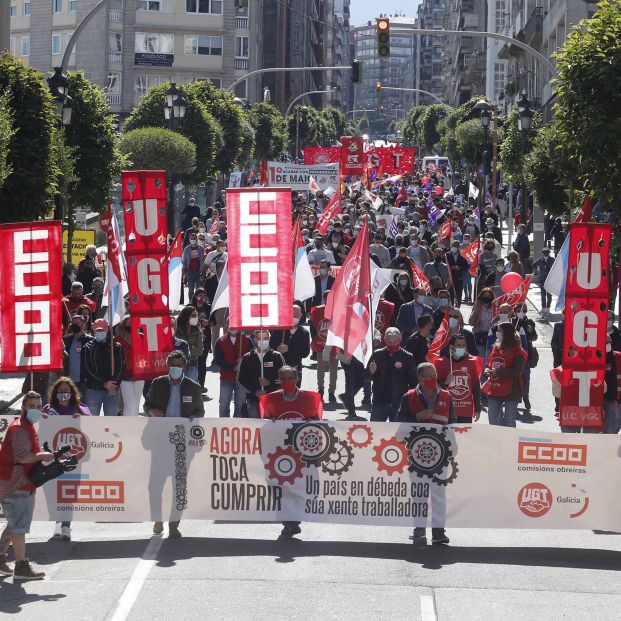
534 499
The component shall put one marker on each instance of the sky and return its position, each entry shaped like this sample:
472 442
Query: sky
364 10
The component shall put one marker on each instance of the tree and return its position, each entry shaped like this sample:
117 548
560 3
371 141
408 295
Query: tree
156 148
6 133
516 146
427 125
270 131
338 123
469 141
28 191
198 125
587 112
310 126
411 129
247 144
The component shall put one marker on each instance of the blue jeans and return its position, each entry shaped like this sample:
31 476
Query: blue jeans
231 390
495 412
612 424
192 373
193 281
382 412
467 285
95 399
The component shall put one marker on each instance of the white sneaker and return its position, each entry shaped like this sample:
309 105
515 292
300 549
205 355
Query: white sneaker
58 530
66 533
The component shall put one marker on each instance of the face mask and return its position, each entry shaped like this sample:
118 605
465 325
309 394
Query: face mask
63 396
454 250
323 271
288 386
233 332
393 347
193 242
305 238
521 315
608 347
378 244
175 373
101 336
470 220
296 321
610 326
263 345
335 244
403 281
503 317
430 383
460 352
414 242
422 228
500 268
420 299
193 321
33 416
201 230
443 302
453 323
75 328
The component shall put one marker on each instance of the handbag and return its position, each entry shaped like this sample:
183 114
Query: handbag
533 357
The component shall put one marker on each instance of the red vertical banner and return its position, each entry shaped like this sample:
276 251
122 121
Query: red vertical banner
352 155
586 315
393 160
31 297
260 258
144 206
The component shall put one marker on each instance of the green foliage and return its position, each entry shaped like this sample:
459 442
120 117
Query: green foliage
311 125
156 148
588 108
338 123
28 191
247 144
363 125
93 141
270 131
447 127
516 146
469 141
198 125
411 129
423 125
66 165
6 133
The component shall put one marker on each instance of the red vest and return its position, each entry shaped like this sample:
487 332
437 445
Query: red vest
383 316
320 325
502 359
441 409
7 460
233 353
465 375
306 406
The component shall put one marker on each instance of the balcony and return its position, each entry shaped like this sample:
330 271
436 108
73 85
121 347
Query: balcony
116 16
114 99
114 58
532 32
241 63
241 22
470 21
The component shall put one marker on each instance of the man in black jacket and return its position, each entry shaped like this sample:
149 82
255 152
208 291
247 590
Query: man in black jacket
323 284
294 344
73 344
102 379
394 373
258 371
418 343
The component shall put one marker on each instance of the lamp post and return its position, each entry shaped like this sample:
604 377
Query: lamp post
297 129
174 109
525 124
485 112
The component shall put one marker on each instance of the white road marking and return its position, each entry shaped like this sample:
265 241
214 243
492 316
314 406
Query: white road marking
427 608
139 575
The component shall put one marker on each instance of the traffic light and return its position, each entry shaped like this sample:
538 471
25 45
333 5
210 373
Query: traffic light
378 89
382 29
356 71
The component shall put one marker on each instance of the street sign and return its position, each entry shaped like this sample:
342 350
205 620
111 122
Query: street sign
81 239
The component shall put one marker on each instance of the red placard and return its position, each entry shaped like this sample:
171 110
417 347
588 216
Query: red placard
144 202
260 258
31 296
586 315
321 155
392 160
352 155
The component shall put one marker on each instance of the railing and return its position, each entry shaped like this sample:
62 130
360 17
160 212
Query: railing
533 25
241 63
241 22
114 99
116 15
114 58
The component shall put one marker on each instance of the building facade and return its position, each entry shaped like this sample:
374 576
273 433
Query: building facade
432 50
132 45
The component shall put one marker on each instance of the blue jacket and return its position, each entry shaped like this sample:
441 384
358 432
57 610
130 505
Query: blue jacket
408 316
187 255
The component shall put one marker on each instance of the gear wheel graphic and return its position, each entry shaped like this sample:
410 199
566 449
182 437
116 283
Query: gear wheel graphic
360 436
391 456
454 470
340 460
314 441
197 432
429 451
284 465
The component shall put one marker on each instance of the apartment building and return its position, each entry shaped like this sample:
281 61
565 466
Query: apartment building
430 15
132 45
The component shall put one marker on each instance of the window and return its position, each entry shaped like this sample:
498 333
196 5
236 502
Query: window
499 18
73 5
241 47
114 82
58 6
13 45
499 78
27 12
56 44
203 46
155 43
115 42
13 10
142 82
26 45
149 5
213 7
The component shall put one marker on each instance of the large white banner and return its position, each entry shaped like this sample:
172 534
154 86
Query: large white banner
297 176
138 469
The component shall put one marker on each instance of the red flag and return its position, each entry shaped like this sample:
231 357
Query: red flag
439 341
333 208
445 230
263 179
215 225
402 196
517 296
586 213
348 307
418 278
471 254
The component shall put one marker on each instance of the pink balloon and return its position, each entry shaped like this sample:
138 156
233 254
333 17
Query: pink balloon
511 281
438 191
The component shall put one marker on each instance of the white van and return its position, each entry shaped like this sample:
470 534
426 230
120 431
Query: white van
437 161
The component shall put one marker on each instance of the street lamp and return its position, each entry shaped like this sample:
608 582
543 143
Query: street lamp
173 109
485 113
525 124
267 94
297 128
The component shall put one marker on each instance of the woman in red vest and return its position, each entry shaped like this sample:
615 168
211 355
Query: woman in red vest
504 376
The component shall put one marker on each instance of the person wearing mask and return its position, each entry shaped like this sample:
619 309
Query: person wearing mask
19 452
68 278
203 308
212 257
192 260
503 385
527 330
418 253
217 317
192 230
90 254
487 263
131 389
64 400
410 312
459 372
521 245
481 318
542 267
497 245
433 297
442 308
401 261
418 344
467 287
320 253
400 292
190 212
393 371
456 326
424 232
428 403
495 280
339 249
96 296
514 265
459 268
189 330
72 303
258 371
470 227
102 378
381 251
87 274
87 316
323 284
437 268
72 351
293 344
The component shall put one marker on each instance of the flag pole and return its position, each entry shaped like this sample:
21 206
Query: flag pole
111 318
